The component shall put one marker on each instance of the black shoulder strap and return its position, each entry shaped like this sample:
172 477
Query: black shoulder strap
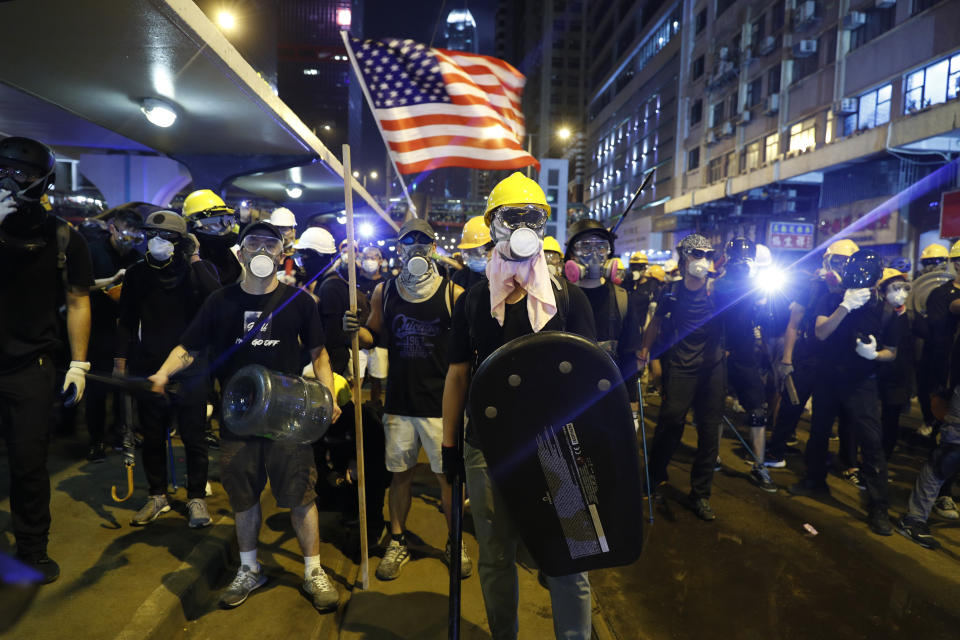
450 292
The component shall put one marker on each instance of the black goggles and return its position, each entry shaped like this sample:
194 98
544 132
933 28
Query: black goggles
21 176
700 254
415 237
527 216
164 234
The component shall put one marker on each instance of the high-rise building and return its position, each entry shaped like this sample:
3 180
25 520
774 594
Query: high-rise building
460 31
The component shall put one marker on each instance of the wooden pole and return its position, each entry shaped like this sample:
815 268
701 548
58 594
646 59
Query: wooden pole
355 354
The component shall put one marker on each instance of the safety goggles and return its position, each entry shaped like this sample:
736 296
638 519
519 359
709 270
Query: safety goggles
216 222
21 176
836 263
700 254
591 247
899 286
164 234
553 258
415 237
254 244
529 215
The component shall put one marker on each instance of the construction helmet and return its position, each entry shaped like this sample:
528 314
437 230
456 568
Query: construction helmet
845 247
318 239
639 257
955 250
935 251
204 202
476 233
283 217
670 265
889 275
515 189
863 270
550 244
656 271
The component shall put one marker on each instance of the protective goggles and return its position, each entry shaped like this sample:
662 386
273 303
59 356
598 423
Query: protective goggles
836 263
903 286
529 215
254 244
591 247
21 176
700 254
133 236
222 221
415 237
553 258
164 234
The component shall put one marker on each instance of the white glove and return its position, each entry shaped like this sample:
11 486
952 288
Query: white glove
76 376
7 204
867 350
855 298
286 279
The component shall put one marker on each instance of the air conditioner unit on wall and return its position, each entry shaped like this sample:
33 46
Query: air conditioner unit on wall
805 48
854 20
846 106
745 117
723 53
727 128
767 45
804 13
711 137
772 104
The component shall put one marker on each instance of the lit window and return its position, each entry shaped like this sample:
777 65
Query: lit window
771 147
310 72
933 84
803 135
752 156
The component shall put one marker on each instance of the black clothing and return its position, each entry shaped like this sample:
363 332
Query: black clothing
467 277
31 291
334 298
844 363
156 416
106 262
219 251
807 346
691 334
417 338
894 377
736 303
646 292
626 331
230 313
788 414
367 285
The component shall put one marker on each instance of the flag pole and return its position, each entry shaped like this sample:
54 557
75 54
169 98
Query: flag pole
366 94
355 354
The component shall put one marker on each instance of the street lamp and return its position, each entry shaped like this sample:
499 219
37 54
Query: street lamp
226 20
564 133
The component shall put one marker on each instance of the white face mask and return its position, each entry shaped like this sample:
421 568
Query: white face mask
370 266
698 268
160 249
262 265
517 244
897 297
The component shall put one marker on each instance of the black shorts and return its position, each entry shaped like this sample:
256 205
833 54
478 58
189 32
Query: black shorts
246 465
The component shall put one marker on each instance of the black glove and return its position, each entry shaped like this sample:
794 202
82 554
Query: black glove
351 322
452 463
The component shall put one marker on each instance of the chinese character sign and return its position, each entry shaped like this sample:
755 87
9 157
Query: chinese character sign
791 236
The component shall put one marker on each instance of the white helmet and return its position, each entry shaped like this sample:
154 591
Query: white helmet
283 217
764 257
316 238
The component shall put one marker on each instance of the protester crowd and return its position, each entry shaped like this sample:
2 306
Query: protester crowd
188 298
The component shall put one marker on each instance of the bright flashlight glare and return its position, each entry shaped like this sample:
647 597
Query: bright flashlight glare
366 229
771 280
226 20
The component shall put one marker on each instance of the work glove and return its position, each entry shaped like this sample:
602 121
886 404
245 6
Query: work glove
452 463
77 378
191 246
351 322
867 349
287 279
855 298
7 204
783 369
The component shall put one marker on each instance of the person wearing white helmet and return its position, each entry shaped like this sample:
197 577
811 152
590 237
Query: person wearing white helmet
312 252
284 220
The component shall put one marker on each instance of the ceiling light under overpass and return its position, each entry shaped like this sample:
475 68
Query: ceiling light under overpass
158 112
366 229
294 190
226 20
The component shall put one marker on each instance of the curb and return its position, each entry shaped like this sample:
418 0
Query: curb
329 626
168 608
600 629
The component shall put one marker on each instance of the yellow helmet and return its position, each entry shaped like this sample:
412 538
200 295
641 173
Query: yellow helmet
515 189
550 244
670 265
204 201
889 274
845 247
638 257
955 250
656 271
476 233
934 251
341 390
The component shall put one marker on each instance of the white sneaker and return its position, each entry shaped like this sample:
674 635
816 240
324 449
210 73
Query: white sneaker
245 582
320 588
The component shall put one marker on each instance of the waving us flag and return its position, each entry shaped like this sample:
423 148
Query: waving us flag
441 108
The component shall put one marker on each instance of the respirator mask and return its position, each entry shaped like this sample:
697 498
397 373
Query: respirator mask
589 255
518 231
263 252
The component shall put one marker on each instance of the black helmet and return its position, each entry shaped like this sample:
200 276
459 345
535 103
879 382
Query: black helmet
29 155
740 249
585 225
863 270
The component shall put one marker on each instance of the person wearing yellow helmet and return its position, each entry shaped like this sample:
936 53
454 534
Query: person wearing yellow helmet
933 257
213 222
895 378
475 245
554 255
639 263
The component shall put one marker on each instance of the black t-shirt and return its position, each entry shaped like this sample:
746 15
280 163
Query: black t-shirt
691 334
941 324
737 305
808 348
230 313
367 285
645 293
627 330
31 291
106 262
466 278
896 377
152 318
844 364
334 299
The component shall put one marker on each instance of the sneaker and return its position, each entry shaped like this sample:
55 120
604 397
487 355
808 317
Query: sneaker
97 453
213 442
853 475
199 516
925 430
44 565
793 442
466 564
393 560
320 588
946 508
149 512
805 488
879 522
719 465
701 507
245 581
761 477
919 532
774 462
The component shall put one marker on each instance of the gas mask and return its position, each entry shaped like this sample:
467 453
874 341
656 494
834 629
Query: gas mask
637 271
554 263
588 256
518 231
262 253
416 259
897 294
26 188
160 249
698 268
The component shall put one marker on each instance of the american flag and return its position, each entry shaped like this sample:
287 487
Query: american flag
442 108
